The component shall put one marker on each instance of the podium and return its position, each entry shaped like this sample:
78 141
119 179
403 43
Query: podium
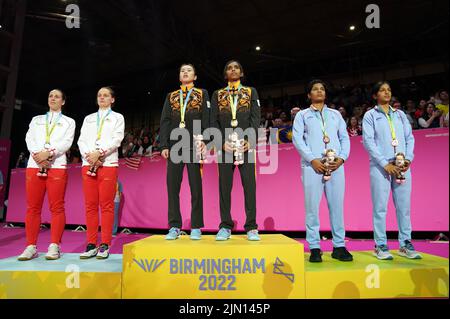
66 278
368 277
272 268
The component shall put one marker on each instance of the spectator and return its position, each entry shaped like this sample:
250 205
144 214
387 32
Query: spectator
146 148
358 113
431 118
128 145
354 129
22 161
137 145
278 123
397 105
269 120
343 112
294 112
284 119
420 109
443 106
444 120
410 113
133 147
156 140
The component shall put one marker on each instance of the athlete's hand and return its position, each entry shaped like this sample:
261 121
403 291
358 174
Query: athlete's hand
336 164
318 166
165 153
227 147
391 169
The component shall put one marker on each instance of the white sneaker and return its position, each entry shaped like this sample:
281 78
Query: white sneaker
91 251
103 251
29 253
53 252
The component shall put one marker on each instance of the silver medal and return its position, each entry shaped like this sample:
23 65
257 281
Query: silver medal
394 142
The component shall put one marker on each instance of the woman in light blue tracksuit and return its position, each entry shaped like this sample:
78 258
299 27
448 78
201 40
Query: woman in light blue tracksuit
387 132
316 129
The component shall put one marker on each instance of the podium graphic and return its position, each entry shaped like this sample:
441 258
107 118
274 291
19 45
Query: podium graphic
272 268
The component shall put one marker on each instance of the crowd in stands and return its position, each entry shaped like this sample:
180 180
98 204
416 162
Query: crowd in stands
430 111
422 113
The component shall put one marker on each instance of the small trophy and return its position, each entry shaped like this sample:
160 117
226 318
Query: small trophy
328 158
237 145
43 170
93 168
400 162
198 139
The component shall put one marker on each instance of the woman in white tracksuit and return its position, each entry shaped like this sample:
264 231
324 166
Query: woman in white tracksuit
48 139
101 135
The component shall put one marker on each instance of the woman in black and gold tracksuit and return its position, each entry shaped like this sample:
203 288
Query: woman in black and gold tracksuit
181 108
236 108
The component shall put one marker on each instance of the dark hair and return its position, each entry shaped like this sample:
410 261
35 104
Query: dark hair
316 81
63 95
226 66
425 115
189 64
440 91
378 86
111 91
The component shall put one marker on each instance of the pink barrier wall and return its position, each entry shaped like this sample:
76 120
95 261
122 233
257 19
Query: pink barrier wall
279 196
5 145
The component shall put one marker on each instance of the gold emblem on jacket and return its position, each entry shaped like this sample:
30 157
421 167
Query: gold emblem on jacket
244 100
195 100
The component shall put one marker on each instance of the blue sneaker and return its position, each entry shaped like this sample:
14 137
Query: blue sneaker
253 235
173 234
196 234
223 234
408 251
382 252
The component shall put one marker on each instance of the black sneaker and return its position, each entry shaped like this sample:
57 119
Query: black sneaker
342 254
316 256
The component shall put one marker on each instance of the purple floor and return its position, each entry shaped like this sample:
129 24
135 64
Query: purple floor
12 243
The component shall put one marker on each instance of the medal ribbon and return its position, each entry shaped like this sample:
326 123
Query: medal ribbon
233 101
323 122
48 132
391 125
183 104
100 123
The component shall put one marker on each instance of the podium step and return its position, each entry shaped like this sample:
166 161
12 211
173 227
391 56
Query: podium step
207 269
368 277
66 278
